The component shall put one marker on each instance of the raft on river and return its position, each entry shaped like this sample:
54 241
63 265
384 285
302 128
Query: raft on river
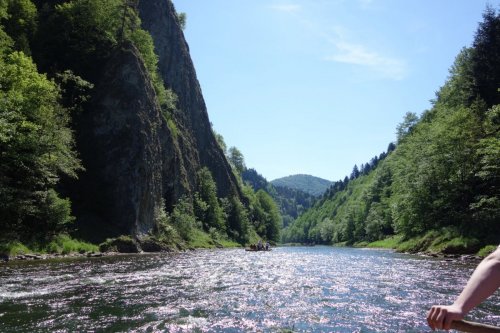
256 250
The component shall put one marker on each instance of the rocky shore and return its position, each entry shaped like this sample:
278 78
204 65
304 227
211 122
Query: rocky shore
45 256
449 257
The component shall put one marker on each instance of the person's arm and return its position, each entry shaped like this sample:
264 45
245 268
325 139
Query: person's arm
484 281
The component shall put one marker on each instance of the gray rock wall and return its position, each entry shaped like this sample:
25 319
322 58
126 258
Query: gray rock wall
133 161
178 73
121 150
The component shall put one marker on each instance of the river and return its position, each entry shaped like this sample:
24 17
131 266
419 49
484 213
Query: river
290 289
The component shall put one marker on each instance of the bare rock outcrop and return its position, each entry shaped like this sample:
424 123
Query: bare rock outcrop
159 18
121 150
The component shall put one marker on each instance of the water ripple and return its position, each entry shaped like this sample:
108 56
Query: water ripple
318 289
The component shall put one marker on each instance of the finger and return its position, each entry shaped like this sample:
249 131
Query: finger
440 318
429 318
447 322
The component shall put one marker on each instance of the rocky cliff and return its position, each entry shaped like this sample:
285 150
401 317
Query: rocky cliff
159 18
120 138
134 162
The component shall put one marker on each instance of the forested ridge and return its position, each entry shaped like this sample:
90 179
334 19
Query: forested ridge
100 138
313 185
291 201
438 188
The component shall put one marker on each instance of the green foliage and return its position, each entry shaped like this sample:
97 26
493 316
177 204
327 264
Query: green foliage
75 90
434 181
387 243
291 202
485 251
182 18
183 218
459 90
20 23
61 243
57 212
237 160
220 141
314 186
64 244
199 239
270 217
486 58
238 222
121 244
206 204
13 248
37 147
446 240
5 43
438 189
87 31
144 43
166 233
407 126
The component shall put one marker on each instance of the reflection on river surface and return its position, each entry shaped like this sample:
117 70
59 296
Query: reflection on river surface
300 289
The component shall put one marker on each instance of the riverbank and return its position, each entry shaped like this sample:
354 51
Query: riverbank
434 244
63 246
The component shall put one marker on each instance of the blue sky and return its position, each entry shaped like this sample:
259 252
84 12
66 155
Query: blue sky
316 86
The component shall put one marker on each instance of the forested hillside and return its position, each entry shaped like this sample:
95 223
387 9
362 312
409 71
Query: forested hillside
291 202
439 190
309 184
104 132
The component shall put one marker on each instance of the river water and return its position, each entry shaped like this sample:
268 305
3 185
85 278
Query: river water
290 289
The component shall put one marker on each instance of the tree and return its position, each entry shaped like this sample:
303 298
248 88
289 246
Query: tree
87 31
486 58
272 218
220 141
182 18
237 219
404 128
6 42
36 148
20 23
207 208
355 172
237 160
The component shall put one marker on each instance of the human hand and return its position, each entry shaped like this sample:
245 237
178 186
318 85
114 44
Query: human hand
441 316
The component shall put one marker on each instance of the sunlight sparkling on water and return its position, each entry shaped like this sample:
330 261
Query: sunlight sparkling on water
315 289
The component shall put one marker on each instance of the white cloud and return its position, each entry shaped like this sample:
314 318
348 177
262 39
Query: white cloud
289 8
344 50
356 54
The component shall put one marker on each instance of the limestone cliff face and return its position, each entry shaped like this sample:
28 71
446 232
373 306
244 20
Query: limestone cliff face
134 162
178 73
121 150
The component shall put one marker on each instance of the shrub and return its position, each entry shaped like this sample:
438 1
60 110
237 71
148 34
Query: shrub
121 244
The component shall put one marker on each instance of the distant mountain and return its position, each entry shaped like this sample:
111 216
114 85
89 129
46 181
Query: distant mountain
292 202
313 185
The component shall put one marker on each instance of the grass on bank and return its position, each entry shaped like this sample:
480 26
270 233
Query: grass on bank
201 239
487 250
62 244
445 241
388 243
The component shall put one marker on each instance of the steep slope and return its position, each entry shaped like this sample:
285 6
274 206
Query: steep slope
119 141
135 160
313 185
178 73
